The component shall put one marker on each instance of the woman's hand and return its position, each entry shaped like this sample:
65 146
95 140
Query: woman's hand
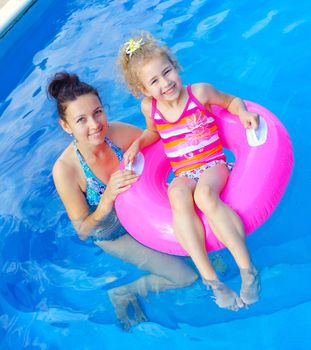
119 182
131 153
249 119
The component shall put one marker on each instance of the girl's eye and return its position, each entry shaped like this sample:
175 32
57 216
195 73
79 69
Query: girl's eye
153 81
167 71
99 112
80 120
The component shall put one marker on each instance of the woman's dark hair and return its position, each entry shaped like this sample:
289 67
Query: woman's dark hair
65 87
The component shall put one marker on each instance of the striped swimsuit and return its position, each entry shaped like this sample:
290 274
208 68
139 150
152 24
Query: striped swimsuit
191 143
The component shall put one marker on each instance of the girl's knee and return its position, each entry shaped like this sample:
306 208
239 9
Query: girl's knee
179 196
206 198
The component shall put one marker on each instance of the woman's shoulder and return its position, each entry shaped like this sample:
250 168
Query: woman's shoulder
65 165
69 183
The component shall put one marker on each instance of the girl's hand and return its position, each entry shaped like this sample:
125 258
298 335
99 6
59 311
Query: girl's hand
131 153
249 119
119 182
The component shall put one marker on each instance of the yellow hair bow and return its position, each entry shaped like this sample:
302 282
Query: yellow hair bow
132 46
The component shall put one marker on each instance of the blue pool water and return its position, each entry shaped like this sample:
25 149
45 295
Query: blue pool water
53 286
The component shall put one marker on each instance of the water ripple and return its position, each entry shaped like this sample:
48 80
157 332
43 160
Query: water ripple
260 25
211 22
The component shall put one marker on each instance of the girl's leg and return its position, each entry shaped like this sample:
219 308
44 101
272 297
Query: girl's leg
166 272
227 226
189 231
187 225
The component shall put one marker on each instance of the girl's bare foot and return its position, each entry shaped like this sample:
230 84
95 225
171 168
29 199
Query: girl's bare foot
250 288
224 297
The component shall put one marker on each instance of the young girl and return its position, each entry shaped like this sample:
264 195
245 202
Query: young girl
181 116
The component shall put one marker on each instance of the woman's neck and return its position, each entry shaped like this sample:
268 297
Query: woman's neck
90 152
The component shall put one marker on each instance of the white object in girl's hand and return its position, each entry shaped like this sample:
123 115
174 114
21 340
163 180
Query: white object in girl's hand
257 137
138 164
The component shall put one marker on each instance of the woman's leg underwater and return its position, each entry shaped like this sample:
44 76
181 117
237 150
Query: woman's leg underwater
166 272
227 226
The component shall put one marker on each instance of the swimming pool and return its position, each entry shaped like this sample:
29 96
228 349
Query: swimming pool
53 287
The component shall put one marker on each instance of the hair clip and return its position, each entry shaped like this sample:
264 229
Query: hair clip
132 46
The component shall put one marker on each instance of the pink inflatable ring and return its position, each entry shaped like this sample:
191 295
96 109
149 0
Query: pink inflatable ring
263 165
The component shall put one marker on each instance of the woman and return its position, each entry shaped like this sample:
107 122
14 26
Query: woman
88 179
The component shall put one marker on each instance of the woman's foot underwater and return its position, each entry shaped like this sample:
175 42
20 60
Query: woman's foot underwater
224 297
250 288
127 309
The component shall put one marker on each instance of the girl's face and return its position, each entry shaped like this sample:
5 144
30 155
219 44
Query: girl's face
160 79
86 120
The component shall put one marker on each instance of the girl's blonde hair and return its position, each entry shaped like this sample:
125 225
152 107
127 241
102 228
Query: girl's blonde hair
132 54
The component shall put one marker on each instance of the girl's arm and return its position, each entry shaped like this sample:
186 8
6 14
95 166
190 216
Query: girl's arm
248 119
149 136
208 95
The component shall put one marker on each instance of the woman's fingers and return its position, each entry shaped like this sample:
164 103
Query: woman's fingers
125 183
121 181
124 177
123 189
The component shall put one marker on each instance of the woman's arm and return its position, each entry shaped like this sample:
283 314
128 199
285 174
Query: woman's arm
68 188
120 181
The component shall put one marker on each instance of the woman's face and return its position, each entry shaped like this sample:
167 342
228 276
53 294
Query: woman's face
86 120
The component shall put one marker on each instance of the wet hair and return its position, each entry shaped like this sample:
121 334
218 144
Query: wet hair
130 63
65 87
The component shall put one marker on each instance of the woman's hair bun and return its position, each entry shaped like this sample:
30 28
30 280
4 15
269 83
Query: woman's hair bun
60 81
65 87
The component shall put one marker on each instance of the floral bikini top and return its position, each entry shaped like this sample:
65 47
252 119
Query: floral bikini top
94 186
